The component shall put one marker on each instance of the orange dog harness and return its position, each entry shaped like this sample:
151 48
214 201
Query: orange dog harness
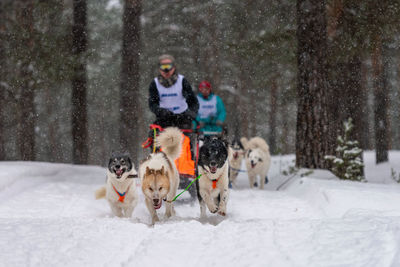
121 196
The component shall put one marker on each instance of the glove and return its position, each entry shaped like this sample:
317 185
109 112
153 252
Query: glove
190 114
219 123
165 113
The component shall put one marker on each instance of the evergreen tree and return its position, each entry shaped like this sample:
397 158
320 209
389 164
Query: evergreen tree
348 163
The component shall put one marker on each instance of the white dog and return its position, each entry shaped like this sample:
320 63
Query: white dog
120 188
159 175
258 159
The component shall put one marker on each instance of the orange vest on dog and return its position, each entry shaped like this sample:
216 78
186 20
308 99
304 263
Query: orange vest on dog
185 163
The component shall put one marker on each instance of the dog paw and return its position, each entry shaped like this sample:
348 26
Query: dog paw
222 213
213 209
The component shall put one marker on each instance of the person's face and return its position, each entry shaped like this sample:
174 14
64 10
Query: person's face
205 91
166 68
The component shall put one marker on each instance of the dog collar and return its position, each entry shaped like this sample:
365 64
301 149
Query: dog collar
214 183
121 196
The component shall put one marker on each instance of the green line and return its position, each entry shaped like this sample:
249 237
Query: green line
186 188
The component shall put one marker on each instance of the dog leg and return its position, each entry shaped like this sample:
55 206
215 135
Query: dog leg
209 201
169 209
169 206
129 210
262 177
116 209
251 181
202 209
223 201
153 213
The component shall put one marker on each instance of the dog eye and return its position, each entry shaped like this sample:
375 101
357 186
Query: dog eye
159 189
122 161
151 189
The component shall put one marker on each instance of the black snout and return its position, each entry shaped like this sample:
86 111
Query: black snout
117 167
155 201
213 164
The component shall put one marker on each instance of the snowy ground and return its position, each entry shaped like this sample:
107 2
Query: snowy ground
48 217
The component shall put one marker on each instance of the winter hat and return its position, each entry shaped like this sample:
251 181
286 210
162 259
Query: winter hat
166 56
205 84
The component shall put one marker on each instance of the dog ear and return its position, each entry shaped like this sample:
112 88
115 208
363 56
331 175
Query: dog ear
130 163
148 171
162 170
244 142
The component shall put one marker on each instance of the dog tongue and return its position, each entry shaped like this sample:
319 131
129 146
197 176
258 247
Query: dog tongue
119 172
158 206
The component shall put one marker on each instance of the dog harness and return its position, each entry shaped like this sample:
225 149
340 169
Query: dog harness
121 196
214 183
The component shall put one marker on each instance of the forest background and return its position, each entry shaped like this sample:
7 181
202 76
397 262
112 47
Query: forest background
74 74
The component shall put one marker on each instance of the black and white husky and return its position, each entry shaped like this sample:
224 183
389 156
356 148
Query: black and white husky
120 189
213 184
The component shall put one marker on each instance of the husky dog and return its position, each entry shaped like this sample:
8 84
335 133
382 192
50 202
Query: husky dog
158 173
236 155
213 184
120 188
258 159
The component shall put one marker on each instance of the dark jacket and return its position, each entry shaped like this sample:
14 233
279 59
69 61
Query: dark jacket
165 117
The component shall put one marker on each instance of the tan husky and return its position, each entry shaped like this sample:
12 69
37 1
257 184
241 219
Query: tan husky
159 176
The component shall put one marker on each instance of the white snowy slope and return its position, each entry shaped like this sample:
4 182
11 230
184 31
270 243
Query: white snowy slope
49 217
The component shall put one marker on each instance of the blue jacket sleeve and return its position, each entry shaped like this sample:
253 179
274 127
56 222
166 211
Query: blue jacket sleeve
221 112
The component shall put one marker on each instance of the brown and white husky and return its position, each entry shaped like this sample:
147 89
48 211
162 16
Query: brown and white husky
158 173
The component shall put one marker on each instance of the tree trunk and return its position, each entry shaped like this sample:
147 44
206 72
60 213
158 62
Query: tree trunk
26 83
273 103
214 60
312 142
130 95
3 76
79 85
365 111
380 104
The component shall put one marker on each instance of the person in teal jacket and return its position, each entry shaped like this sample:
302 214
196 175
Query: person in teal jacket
211 114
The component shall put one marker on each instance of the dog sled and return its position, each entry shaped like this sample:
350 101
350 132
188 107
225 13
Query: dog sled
188 160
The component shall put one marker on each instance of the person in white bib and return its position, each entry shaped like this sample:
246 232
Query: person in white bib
212 114
171 97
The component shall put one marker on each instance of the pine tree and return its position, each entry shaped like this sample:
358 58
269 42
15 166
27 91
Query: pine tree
348 163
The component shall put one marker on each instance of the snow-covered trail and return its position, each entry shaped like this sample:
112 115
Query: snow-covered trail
49 217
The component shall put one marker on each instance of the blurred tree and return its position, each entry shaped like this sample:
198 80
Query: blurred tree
79 84
381 102
130 117
25 82
3 74
312 119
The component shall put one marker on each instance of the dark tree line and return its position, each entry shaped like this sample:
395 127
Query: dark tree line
74 74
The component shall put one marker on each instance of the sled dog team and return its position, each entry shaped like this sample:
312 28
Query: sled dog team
218 164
